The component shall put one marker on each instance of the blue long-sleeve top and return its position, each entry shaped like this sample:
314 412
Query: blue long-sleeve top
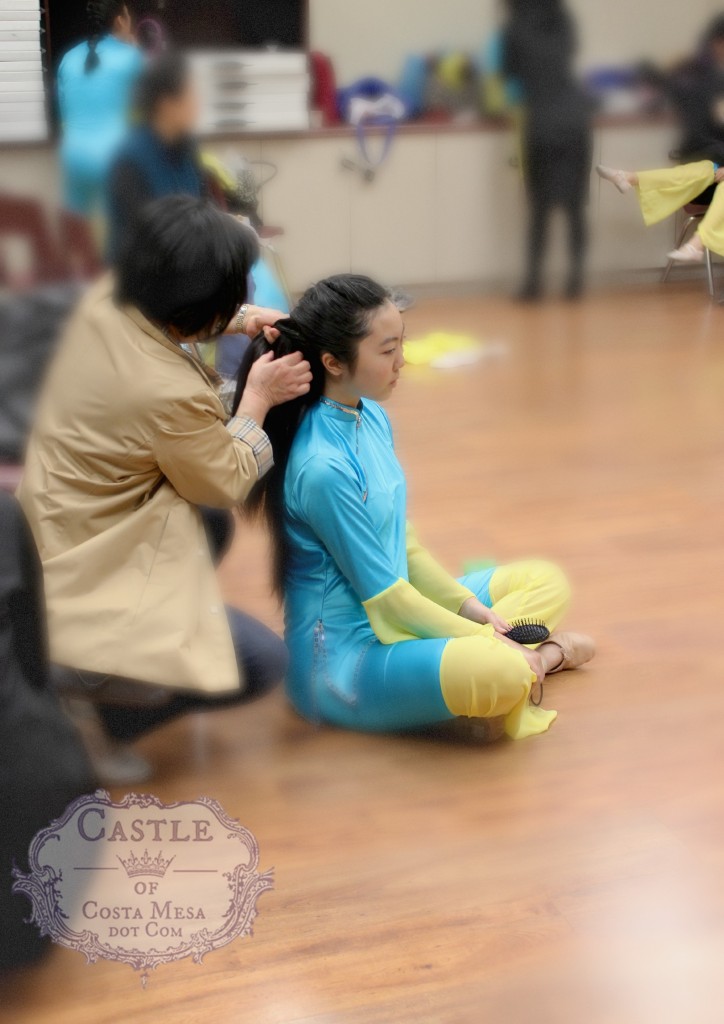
94 107
356 574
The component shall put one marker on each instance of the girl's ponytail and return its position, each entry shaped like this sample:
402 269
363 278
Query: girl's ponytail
281 425
332 316
100 14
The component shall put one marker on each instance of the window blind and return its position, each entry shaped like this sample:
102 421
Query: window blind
23 113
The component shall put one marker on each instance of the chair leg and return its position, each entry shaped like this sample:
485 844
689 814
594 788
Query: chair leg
709 272
679 242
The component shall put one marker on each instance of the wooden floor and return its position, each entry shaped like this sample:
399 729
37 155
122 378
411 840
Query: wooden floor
575 877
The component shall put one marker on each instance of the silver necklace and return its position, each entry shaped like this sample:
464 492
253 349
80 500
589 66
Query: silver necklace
358 416
343 408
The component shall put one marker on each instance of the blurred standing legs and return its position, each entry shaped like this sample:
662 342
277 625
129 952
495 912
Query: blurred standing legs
556 177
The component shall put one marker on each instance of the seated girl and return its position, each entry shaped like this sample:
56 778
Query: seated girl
663 192
380 636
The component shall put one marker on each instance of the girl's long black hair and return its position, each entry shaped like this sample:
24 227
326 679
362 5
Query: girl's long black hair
100 14
332 316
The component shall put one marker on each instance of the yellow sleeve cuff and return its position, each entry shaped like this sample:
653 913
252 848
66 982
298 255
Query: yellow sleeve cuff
401 613
429 577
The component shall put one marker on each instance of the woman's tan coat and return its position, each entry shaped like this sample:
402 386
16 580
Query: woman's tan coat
129 439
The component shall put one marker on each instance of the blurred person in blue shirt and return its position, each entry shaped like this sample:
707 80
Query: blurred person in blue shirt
161 156
95 84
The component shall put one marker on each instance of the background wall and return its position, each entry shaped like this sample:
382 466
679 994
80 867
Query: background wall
372 37
451 201
624 30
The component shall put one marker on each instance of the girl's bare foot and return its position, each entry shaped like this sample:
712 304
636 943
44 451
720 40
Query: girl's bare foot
623 180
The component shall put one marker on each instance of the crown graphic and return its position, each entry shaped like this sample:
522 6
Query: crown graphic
145 865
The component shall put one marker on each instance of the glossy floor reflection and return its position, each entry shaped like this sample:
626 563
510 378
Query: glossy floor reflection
573 877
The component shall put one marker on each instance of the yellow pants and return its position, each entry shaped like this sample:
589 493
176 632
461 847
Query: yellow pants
482 677
663 192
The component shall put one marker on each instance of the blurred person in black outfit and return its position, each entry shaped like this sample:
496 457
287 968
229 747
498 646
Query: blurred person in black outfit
695 89
43 765
539 44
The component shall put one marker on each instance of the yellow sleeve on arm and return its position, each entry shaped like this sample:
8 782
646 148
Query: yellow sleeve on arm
401 613
429 578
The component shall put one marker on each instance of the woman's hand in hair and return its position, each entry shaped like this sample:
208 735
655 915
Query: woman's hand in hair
258 320
272 382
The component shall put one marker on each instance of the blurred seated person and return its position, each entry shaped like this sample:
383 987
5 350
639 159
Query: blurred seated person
662 192
161 157
696 90
381 637
130 439
94 87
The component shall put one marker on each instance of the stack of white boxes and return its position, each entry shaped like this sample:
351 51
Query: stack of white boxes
252 91
23 116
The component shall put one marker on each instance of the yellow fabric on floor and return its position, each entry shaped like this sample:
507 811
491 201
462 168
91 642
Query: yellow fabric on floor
661 193
424 351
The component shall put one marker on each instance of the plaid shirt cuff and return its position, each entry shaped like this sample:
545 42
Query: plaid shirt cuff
245 429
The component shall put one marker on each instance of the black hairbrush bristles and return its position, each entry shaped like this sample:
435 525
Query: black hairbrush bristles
528 631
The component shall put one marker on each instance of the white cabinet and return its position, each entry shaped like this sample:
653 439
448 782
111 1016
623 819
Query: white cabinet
335 222
392 218
479 208
310 199
447 208
250 91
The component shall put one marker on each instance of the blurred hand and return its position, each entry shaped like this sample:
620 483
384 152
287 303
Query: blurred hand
274 381
476 611
719 175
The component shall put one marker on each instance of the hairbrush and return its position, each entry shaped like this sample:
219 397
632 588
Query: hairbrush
528 631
